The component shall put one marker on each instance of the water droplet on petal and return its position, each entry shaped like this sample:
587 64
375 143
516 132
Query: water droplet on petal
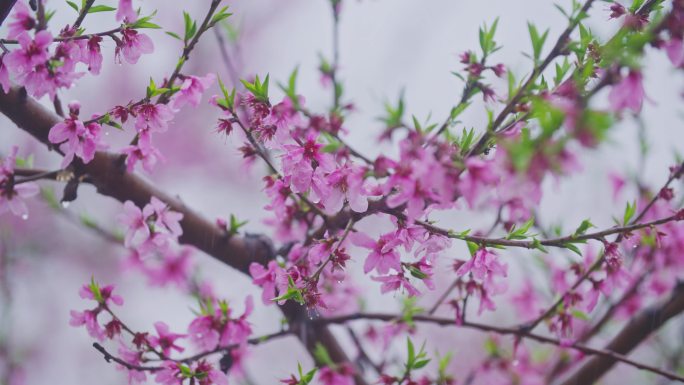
24 217
65 204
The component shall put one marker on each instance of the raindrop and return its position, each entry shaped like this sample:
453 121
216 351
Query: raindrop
65 204
24 217
516 362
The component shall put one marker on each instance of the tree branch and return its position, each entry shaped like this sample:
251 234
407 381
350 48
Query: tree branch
643 324
111 180
636 331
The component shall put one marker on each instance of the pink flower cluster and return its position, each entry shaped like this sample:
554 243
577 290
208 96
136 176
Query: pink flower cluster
44 71
163 343
76 138
152 234
12 194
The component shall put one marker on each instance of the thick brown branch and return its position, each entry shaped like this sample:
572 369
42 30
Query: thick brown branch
636 331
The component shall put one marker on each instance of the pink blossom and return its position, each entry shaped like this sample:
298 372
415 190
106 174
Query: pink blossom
526 301
31 54
191 90
106 293
321 250
23 20
238 330
135 221
152 117
165 218
12 198
125 11
4 76
12 195
92 56
421 178
617 183
278 191
617 10
203 334
383 256
89 319
175 268
617 275
297 163
283 116
675 51
208 375
266 278
341 375
143 152
170 374
133 44
481 176
628 94
432 246
69 133
69 53
346 183
165 340
394 282
132 357
484 264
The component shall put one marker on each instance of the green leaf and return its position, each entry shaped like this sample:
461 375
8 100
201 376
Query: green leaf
491 347
333 145
88 221
417 273
73 5
443 363
472 247
411 353
487 43
536 244
235 224
322 356
394 115
101 8
291 89
95 289
580 315
174 35
49 196
520 233
258 88
185 371
629 213
456 111
537 41
144 22
572 248
420 364
583 227
228 100
190 26
220 15
636 4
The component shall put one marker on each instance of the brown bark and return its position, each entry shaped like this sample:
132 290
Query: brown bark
633 334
